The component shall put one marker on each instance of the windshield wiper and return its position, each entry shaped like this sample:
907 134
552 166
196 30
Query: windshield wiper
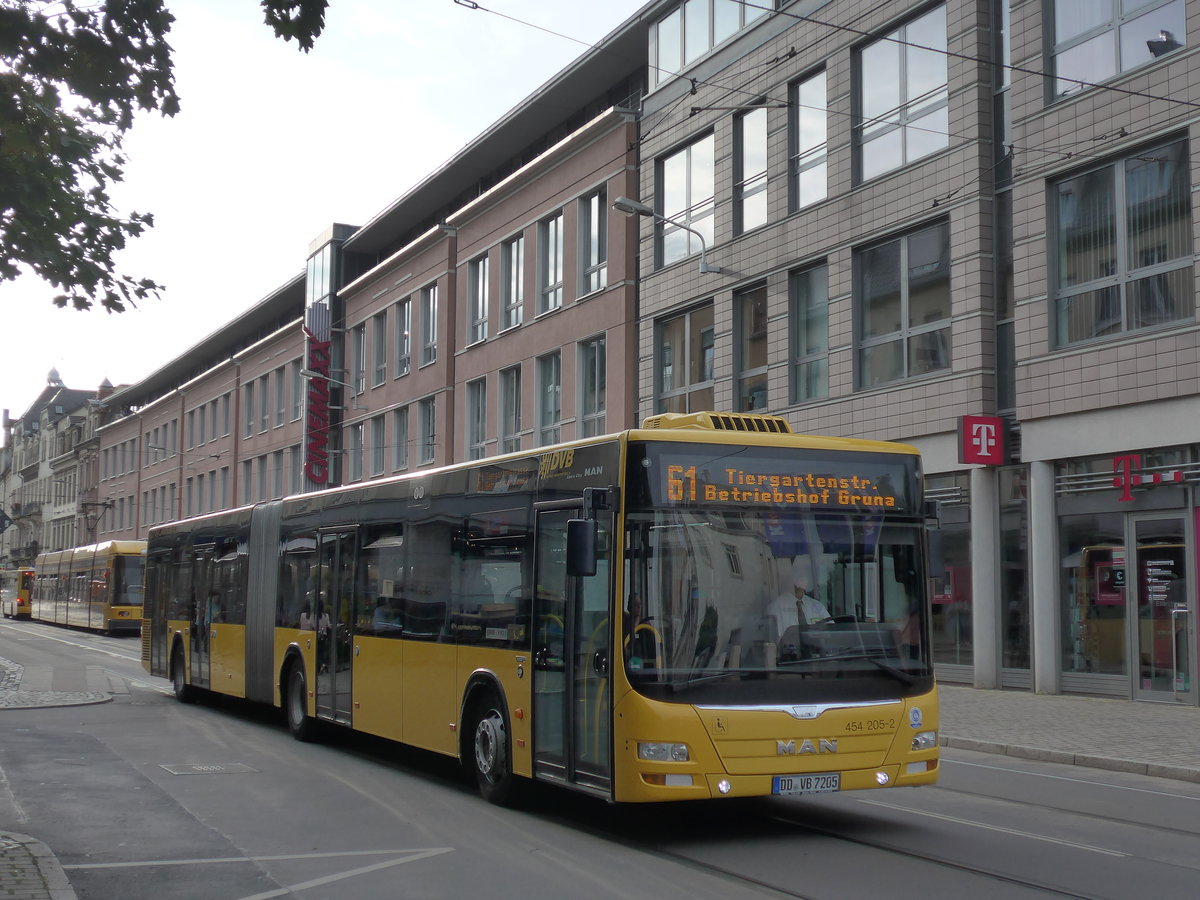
898 674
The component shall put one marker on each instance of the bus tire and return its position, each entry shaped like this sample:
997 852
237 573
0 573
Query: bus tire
184 692
295 704
491 755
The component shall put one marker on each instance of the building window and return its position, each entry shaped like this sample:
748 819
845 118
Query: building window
247 483
358 359
378 445
510 410
295 469
379 348
1095 40
512 281
248 412
550 243
593 242
428 415
354 452
263 463
1123 246
694 28
280 401
687 188
904 307
298 385
225 420
264 402
478 299
277 467
809 181
429 314
400 438
750 307
550 399
903 96
477 419
750 160
593 386
809 302
403 336
685 361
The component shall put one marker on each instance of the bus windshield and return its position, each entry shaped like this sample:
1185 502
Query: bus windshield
724 593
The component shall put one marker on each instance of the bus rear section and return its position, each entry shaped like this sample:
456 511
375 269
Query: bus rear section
16 591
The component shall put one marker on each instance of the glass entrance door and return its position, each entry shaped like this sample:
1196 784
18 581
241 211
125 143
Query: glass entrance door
1162 633
571 658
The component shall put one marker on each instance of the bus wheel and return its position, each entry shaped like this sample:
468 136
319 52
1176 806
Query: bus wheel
184 692
302 726
493 764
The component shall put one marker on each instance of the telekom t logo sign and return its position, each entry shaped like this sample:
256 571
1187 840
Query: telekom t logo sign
984 437
1127 475
981 440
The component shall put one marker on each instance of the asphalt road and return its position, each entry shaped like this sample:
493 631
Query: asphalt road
142 797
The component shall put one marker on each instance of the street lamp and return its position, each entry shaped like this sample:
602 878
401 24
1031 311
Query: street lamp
634 208
310 374
313 373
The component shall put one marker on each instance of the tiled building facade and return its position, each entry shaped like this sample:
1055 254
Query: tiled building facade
873 221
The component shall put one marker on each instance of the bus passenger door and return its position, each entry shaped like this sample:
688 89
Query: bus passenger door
571 658
335 622
200 631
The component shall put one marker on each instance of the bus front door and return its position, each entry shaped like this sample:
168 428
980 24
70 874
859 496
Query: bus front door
201 625
572 647
335 622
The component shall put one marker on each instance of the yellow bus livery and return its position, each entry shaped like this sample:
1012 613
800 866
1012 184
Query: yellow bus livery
707 606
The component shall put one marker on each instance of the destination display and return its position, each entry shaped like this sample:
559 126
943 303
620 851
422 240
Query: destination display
787 480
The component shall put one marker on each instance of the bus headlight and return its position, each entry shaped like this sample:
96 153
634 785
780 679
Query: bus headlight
926 740
658 751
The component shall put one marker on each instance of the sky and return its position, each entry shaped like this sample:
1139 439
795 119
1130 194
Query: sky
271 146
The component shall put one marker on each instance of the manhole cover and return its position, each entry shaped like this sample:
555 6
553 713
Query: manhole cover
210 769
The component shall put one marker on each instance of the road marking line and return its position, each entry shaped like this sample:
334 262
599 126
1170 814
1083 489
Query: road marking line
1107 784
999 828
341 876
245 859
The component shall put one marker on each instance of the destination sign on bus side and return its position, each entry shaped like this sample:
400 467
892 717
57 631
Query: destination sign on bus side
740 486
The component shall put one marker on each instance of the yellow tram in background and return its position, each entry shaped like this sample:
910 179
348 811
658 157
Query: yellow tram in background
98 587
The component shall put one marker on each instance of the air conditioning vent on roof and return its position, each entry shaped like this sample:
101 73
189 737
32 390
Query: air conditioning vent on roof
715 421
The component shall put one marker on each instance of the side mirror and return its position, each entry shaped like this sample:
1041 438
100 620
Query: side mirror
581 547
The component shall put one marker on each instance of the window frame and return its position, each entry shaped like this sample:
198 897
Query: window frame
694 222
906 332
1113 25
476 416
748 187
749 380
477 299
510 409
549 370
1124 275
805 158
803 357
699 334
593 386
908 117
512 282
429 329
593 242
551 234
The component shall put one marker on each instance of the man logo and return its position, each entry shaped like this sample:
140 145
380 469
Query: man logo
789 748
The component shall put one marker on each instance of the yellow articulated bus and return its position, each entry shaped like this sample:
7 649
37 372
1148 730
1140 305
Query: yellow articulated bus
707 606
16 587
98 587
